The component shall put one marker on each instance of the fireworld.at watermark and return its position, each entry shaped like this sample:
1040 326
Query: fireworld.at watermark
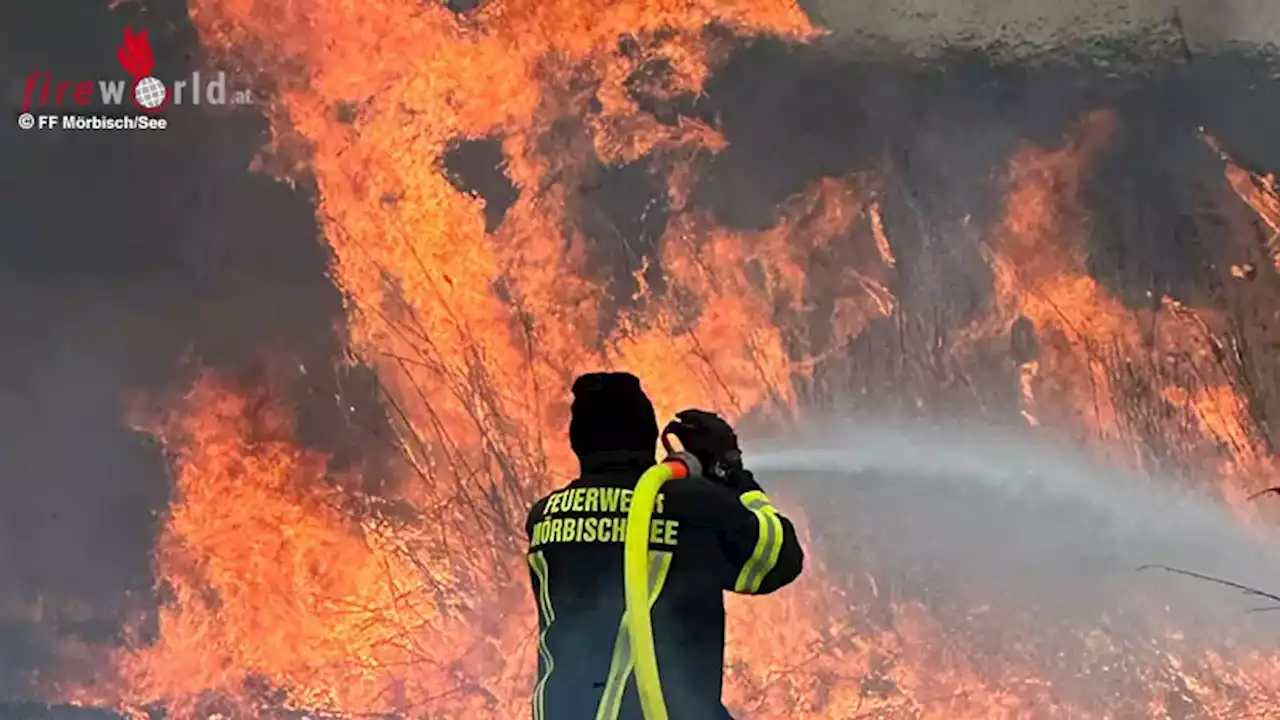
50 103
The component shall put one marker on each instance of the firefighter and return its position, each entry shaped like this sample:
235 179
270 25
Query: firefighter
709 535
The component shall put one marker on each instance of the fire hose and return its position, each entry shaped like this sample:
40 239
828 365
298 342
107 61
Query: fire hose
644 655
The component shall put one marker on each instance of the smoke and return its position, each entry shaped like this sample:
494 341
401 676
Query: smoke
1026 27
125 257
962 517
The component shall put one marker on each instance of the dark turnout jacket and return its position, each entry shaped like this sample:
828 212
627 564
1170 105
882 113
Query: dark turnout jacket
705 539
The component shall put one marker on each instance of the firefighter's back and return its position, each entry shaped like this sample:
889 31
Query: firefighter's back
576 560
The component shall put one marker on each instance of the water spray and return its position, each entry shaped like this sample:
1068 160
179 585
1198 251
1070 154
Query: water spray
1223 582
953 510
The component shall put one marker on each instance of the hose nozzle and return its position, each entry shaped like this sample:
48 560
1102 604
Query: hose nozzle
683 465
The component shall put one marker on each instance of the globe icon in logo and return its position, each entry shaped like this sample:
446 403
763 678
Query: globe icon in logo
150 93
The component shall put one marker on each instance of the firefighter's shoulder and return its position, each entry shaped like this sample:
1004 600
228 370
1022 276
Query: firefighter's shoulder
698 500
536 511
759 543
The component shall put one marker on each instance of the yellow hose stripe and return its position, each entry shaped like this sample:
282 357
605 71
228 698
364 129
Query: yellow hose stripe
538 563
768 543
622 663
611 698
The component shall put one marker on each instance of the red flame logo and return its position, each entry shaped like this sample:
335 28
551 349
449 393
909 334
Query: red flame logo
135 56
135 53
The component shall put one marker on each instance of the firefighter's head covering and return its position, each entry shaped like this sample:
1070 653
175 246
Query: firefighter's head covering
611 412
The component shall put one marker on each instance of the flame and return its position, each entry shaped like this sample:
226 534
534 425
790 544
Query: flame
1262 194
273 578
283 588
1086 335
135 53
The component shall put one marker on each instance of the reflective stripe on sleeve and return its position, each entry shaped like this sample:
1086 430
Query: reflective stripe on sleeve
768 543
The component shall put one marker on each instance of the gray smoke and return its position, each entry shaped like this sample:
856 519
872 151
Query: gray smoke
1030 26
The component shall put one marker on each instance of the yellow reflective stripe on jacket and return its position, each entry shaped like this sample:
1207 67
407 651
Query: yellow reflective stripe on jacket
622 664
768 543
538 563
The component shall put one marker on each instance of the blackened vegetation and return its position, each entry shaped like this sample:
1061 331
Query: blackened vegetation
1159 224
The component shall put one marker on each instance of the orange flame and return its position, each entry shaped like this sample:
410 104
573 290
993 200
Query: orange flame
1263 195
1085 332
274 580
135 53
282 589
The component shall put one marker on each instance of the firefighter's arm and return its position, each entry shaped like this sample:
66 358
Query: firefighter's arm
760 544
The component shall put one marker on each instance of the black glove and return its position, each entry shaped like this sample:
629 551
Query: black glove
709 438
